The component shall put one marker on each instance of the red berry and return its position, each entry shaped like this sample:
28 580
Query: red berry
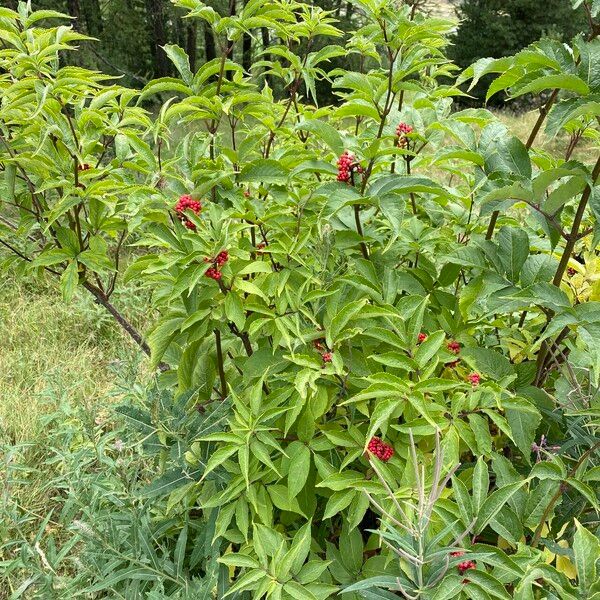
212 273
454 347
222 257
422 337
401 134
457 553
403 128
327 357
475 379
466 565
346 164
186 202
380 449
246 194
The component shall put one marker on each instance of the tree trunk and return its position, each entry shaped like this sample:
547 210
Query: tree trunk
191 46
266 42
246 50
93 17
210 52
155 10
229 48
74 10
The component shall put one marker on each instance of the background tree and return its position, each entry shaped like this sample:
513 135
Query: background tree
497 28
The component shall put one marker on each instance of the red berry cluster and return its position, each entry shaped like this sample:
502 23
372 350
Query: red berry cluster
571 271
466 565
380 449
346 165
184 203
422 337
84 167
327 357
222 258
402 131
454 347
213 272
457 553
474 379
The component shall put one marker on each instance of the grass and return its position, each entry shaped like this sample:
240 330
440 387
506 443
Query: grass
521 124
57 361
52 352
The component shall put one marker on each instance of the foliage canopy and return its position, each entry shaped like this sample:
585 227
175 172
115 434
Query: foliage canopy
384 311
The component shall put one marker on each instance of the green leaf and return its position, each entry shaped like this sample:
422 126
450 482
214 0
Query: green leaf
513 250
507 155
495 501
165 84
463 500
395 360
247 581
299 469
264 171
67 240
50 257
586 548
382 413
508 525
585 490
328 133
489 584
10 173
549 470
523 419
180 548
297 554
132 573
218 457
342 481
341 319
181 61
337 502
169 481
238 560
487 362
69 280
563 81
481 483
429 348
234 309
299 592
351 550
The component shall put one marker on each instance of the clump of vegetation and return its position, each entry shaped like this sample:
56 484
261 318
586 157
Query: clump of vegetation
377 366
